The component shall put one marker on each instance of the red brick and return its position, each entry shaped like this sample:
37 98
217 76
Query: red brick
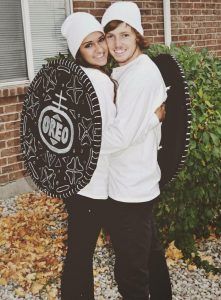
13 108
21 98
101 4
207 11
187 18
210 5
150 32
146 12
210 42
199 5
9 135
184 38
157 25
83 4
17 175
13 91
160 19
2 144
12 125
6 92
98 12
200 43
183 12
10 151
158 39
21 90
160 32
12 168
8 100
14 159
149 4
157 12
199 30
13 142
160 5
199 18
4 178
186 5
9 117
2 127
147 26
149 18
3 162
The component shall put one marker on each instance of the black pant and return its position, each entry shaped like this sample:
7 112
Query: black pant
140 266
84 225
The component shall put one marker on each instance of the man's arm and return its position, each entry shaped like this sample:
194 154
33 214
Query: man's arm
135 116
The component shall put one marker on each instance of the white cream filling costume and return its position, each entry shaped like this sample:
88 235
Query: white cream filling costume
104 87
135 135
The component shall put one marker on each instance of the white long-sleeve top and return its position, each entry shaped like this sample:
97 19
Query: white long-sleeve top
104 88
134 171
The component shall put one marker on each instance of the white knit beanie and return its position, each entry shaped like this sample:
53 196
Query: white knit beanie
125 11
76 27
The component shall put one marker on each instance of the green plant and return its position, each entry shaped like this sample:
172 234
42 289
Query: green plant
191 203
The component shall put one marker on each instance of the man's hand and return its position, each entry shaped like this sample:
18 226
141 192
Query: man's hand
161 112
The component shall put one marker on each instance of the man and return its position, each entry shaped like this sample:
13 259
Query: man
134 172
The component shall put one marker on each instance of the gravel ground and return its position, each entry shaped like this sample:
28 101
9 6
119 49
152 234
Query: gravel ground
188 283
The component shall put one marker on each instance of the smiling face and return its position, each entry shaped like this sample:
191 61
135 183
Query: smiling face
94 49
122 44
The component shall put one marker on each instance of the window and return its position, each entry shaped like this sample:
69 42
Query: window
12 46
29 33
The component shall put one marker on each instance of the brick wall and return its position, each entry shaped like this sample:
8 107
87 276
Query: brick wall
194 22
197 23
11 164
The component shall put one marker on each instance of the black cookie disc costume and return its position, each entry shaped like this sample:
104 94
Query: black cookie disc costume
176 126
61 129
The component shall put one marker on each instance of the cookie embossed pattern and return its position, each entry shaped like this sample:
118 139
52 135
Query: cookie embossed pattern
61 129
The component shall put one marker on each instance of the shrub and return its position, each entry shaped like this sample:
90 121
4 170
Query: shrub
191 203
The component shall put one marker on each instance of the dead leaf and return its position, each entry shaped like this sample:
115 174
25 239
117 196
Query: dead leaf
36 287
173 252
191 267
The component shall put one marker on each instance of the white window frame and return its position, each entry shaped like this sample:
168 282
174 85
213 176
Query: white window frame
28 42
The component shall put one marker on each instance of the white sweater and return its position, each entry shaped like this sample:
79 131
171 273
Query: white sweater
134 171
98 186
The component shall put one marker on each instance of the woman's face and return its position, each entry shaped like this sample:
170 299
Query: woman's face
94 49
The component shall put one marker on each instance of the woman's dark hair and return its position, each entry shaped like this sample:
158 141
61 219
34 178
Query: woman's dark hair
141 40
82 62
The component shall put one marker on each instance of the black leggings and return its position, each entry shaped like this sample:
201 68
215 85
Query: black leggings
84 225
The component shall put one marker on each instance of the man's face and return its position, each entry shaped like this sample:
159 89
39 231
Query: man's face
122 44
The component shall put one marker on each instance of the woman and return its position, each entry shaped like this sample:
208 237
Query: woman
87 44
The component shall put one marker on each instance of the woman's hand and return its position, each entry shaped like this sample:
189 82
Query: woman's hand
161 112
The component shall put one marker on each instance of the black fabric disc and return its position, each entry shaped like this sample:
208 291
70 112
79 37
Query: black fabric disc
61 129
176 126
